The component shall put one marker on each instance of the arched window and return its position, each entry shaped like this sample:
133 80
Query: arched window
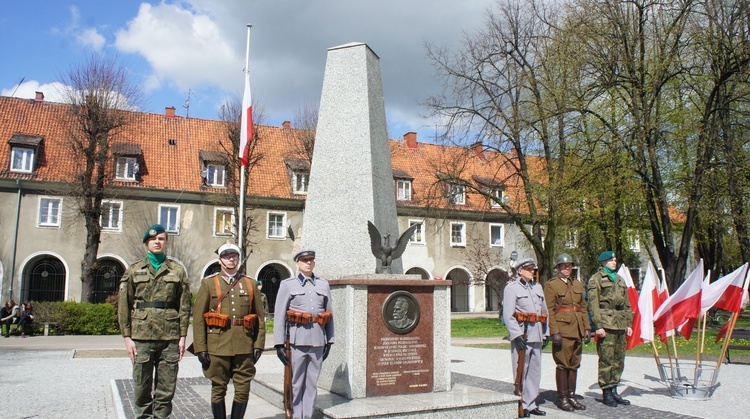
106 279
270 277
44 280
418 271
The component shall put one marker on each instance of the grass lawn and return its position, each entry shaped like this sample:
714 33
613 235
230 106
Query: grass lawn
483 327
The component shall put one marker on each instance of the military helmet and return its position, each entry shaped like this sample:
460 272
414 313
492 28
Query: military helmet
564 258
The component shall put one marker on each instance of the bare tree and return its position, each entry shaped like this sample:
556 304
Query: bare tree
102 95
302 138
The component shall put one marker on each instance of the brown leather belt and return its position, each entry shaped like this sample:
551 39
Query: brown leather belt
530 317
568 309
237 322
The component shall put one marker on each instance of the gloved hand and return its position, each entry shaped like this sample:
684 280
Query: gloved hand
557 340
586 336
326 350
204 359
545 342
520 343
256 355
281 353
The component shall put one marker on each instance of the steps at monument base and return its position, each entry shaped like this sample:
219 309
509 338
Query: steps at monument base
462 401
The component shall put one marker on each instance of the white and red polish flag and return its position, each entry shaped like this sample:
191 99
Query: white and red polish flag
728 293
683 305
246 127
624 272
643 320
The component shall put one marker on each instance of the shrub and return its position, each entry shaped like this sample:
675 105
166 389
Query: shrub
75 318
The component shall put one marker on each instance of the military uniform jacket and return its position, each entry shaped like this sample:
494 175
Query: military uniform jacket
568 314
141 284
526 298
311 295
609 304
232 339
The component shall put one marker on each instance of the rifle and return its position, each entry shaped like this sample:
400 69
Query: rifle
288 391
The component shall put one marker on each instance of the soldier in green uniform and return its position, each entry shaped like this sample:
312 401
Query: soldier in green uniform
230 350
609 306
569 328
153 309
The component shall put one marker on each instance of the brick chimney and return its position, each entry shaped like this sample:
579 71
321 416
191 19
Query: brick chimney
410 138
169 112
477 149
39 97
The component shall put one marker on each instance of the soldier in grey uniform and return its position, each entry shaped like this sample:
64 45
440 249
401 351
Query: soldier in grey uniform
304 306
153 310
232 350
609 306
525 316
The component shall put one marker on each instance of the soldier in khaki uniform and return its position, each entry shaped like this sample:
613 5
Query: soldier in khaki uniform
569 328
153 309
609 306
231 350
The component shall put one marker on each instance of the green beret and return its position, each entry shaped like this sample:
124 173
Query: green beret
605 256
153 231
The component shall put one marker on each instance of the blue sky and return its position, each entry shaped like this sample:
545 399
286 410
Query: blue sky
173 47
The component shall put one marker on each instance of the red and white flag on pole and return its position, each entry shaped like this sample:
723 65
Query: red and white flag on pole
624 272
730 294
683 305
246 127
643 321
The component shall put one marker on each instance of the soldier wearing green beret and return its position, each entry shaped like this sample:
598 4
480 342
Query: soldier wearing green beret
610 310
154 313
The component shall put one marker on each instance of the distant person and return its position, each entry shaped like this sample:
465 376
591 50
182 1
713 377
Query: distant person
525 315
263 297
9 316
570 329
229 331
303 315
26 317
154 314
609 306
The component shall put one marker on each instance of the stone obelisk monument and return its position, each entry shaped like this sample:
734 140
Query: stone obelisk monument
351 179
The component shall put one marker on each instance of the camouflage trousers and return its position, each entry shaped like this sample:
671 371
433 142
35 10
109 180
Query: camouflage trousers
611 350
161 356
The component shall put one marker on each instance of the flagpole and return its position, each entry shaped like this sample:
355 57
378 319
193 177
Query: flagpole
730 329
241 231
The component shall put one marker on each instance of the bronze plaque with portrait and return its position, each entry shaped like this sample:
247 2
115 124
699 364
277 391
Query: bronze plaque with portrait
399 340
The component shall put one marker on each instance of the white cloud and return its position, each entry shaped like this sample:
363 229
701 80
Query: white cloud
91 38
27 90
183 48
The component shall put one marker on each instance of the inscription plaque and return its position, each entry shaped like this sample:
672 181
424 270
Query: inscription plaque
400 341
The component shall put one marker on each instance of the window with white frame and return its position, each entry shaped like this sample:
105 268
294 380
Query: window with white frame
22 160
457 194
276 225
635 244
497 235
169 217
403 190
458 234
300 181
497 196
418 236
571 239
224 221
215 175
111 216
127 168
50 210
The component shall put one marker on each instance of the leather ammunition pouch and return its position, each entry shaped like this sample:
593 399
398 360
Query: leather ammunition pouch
250 321
530 317
215 319
300 317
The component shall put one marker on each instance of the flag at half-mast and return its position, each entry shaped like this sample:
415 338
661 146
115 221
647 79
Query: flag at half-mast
246 127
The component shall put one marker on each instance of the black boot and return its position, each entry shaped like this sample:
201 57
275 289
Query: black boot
238 410
219 410
572 378
619 399
608 400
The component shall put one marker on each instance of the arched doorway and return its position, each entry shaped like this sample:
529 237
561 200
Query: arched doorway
459 289
106 278
271 276
44 280
494 285
212 269
418 271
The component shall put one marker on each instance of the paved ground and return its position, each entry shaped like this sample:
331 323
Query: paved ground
89 376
